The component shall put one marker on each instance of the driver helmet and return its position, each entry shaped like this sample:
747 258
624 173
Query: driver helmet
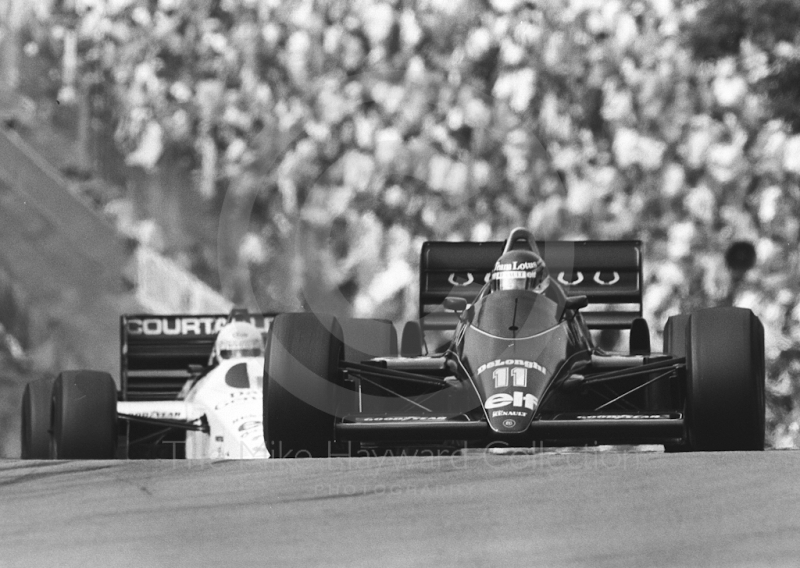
238 339
519 270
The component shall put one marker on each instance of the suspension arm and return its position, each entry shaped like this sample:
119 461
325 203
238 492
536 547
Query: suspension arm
392 374
676 364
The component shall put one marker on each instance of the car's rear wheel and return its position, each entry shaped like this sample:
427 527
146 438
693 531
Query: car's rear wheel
368 338
84 416
365 339
675 335
36 419
725 390
675 345
412 343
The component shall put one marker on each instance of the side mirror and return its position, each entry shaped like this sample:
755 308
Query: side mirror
576 302
455 304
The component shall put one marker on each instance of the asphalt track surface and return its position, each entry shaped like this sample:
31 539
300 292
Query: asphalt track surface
552 509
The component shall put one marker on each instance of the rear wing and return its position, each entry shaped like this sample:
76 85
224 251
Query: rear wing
608 273
156 351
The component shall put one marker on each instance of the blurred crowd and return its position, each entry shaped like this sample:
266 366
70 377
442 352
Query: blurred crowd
340 135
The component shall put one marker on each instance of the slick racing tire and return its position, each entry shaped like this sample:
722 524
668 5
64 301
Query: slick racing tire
84 416
675 335
675 345
363 340
368 338
412 343
301 379
36 402
725 390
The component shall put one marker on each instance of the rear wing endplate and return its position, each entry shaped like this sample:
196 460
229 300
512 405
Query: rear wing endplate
608 273
156 350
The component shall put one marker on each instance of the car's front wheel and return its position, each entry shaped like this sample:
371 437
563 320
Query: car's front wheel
725 371
305 392
301 377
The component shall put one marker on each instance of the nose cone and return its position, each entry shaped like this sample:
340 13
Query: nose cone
511 411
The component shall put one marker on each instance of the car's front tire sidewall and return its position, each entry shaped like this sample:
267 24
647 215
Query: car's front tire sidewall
725 372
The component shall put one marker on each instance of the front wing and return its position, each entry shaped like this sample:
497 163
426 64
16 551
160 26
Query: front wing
409 425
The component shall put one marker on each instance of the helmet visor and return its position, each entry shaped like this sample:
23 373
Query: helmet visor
242 352
511 280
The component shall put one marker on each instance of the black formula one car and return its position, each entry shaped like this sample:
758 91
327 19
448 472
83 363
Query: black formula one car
521 368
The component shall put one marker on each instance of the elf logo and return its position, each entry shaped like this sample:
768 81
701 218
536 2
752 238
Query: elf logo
518 399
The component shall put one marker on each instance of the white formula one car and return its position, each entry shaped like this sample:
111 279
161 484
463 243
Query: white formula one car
191 387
